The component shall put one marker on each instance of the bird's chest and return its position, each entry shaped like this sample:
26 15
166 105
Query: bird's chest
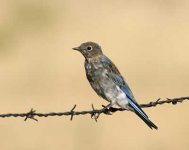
95 72
97 76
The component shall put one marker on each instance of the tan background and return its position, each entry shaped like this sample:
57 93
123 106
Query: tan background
148 41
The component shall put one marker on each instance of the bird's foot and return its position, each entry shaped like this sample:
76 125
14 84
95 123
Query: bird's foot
107 110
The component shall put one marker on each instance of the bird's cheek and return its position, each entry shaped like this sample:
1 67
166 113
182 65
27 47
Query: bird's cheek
84 52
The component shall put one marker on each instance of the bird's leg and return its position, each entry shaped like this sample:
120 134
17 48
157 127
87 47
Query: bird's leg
106 109
108 106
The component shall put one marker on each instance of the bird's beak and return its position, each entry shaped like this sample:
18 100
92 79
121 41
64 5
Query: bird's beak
76 48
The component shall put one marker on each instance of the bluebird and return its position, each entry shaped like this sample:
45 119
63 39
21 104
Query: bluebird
107 82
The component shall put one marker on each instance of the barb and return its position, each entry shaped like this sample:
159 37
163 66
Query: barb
95 113
30 115
72 112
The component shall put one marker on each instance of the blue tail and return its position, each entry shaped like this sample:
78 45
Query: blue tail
139 111
142 115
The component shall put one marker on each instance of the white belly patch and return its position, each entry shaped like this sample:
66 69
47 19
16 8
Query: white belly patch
117 96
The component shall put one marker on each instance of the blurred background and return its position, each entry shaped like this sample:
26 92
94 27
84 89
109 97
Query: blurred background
148 40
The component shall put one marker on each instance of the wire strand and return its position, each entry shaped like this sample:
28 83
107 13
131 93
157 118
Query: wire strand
95 113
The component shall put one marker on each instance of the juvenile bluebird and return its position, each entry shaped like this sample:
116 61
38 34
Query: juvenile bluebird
108 83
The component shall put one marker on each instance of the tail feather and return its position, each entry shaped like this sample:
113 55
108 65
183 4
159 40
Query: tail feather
133 104
147 121
141 114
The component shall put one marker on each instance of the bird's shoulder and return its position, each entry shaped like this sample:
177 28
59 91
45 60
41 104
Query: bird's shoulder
109 65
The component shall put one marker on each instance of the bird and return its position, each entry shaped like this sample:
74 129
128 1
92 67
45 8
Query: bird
106 80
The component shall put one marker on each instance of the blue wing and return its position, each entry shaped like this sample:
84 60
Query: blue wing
118 79
115 75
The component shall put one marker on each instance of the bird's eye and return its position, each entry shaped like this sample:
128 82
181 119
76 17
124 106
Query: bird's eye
89 48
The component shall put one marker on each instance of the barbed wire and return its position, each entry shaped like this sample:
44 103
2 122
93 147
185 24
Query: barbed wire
94 113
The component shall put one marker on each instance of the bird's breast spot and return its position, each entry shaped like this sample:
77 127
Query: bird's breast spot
88 66
104 73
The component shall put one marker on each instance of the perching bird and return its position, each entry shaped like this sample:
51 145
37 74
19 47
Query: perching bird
108 83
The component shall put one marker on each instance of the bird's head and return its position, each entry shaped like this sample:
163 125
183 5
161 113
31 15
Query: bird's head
89 49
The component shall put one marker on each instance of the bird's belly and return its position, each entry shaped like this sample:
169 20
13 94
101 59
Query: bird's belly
114 94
